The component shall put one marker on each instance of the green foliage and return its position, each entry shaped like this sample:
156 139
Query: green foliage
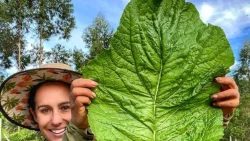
155 81
16 24
97 36
3 12
239 126
53 17
12 133
8 47
242 75
32 55
1 79
78 58
58 54
18 13
25 135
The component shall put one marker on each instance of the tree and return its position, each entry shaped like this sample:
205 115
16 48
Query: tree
1 79
47 18
52 17
242 75
7 38
78 58
17 13
8 47
239 126
97 36
3 10
33 55
58 54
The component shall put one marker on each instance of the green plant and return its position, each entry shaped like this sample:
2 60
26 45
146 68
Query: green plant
155 81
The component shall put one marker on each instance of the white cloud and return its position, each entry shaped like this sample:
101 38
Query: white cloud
247 9
232 16
229 15
206 12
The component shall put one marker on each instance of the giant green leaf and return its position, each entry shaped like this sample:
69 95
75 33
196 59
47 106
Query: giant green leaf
156 79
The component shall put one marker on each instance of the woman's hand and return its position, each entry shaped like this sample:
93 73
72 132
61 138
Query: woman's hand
80 96
228 98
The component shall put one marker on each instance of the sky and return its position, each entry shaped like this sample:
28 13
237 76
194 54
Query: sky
233 16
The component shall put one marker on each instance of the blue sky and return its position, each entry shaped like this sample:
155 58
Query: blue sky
233 16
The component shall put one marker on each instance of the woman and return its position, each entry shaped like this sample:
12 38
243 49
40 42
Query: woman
50 108
38 99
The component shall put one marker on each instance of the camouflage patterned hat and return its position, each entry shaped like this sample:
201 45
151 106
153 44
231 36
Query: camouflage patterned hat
15 91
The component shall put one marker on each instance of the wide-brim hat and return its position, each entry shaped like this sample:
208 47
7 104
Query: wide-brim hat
15 91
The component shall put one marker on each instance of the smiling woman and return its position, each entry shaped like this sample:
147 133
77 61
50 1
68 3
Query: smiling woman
50 108
38 99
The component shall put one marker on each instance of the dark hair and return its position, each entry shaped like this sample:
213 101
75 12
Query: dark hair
32 94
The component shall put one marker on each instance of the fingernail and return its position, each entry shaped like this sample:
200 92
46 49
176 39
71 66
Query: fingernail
218 79
212 104
93 94
94 83
215 96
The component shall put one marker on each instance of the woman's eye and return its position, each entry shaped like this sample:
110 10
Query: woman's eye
65 108
45 111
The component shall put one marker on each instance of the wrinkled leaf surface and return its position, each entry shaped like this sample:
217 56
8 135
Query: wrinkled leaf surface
156 80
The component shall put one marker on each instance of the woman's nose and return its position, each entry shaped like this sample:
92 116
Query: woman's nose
56 118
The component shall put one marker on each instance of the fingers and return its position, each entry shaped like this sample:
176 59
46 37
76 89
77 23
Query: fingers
82 100
228 98
81 93
227 94
86 83
78 91
229 104
227 82
80 97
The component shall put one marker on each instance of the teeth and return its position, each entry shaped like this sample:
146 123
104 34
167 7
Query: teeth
58 131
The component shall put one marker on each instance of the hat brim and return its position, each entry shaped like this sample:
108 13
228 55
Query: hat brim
15 92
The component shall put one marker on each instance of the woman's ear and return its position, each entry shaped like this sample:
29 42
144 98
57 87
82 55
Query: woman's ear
33 114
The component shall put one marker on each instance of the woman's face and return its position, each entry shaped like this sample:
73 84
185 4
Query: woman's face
52 110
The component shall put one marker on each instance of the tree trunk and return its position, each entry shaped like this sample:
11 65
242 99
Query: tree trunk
40 48
19 55
19 46
19 52
19 24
